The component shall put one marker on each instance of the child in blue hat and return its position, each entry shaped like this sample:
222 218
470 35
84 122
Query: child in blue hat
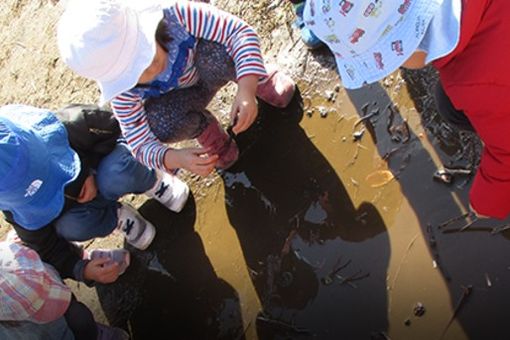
160 64
61 176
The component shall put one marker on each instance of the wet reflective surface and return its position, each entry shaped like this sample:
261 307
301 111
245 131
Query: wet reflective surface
328 227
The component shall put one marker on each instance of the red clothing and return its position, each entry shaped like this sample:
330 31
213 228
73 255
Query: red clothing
476 77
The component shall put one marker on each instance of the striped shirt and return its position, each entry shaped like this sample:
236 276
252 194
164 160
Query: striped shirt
195 21
30 290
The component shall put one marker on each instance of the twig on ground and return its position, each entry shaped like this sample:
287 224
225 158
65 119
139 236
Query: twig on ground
466 291
409 246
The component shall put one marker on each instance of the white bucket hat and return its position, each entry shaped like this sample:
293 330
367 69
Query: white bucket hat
370 38
109 41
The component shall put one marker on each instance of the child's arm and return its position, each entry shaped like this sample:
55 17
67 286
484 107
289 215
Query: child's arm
242 44
208 22
147 148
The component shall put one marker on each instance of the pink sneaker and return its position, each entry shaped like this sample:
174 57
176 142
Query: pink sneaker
278 89
221 144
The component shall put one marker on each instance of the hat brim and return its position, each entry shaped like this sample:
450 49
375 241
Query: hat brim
381 60
48 165
143 23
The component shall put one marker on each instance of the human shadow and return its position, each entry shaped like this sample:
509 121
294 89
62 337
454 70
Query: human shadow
317 262
170 290
472 258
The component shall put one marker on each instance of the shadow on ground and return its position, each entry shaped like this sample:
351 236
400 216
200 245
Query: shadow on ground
317 262
171 290
472 258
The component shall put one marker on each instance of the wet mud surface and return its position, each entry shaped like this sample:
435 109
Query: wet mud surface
328 227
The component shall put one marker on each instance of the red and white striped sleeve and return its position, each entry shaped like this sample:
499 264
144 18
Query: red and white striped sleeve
145 146
240 39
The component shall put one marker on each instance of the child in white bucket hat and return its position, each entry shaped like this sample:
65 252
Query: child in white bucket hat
160 64
466 41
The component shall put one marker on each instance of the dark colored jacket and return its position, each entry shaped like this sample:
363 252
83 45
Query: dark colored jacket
92 133
476 78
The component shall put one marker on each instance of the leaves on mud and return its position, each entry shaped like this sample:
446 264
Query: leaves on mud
379 178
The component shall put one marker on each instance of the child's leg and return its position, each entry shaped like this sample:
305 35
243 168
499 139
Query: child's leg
97 218
181 114
81 321
277 89
307 36
449 112
119 173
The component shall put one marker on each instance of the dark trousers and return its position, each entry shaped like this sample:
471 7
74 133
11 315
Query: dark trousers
449 112
81 321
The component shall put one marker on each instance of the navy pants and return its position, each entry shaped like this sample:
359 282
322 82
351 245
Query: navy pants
117 174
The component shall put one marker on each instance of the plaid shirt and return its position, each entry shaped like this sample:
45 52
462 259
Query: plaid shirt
30 290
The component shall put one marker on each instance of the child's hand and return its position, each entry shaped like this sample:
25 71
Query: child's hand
88 190
244 109
195 160
102 270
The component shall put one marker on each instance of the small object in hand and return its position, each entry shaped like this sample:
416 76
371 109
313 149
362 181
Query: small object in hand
120 256
419 309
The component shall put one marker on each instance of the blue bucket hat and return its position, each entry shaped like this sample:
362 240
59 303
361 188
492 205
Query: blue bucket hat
36 162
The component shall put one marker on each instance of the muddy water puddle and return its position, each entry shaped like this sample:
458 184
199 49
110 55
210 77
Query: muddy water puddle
326 228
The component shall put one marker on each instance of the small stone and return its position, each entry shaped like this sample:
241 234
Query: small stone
356 136
330 95
419 309
309 113
407 322
337 88
323 112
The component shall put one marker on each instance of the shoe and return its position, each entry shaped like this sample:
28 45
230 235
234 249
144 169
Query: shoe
138 231
170 191
278 88
105 332
220 143
121 256
307 36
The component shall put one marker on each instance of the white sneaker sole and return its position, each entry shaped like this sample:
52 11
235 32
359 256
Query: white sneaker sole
148 237
179 203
